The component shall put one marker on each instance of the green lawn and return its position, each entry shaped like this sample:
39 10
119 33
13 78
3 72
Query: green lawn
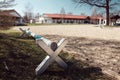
22 56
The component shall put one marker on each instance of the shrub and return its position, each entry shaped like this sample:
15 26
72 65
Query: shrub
6 21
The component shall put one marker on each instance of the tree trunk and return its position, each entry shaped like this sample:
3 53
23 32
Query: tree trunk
107 12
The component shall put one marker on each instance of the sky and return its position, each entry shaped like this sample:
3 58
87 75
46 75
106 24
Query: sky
51 6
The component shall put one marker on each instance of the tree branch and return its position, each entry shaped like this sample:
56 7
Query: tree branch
97 3
6 3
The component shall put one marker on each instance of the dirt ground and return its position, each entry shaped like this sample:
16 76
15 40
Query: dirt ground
88 31
91 44
99 53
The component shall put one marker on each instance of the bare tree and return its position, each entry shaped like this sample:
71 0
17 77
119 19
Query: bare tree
62 13
70 13
106 4
94 12
82 14
6 3
117 12
28 13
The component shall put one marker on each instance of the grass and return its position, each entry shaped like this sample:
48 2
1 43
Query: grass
22 56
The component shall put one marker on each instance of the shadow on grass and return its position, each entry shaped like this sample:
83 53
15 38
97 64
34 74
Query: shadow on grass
76 70
23 56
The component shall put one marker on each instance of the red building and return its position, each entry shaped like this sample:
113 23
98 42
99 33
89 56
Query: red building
68 18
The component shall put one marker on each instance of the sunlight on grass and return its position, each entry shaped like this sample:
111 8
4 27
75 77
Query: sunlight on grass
8 31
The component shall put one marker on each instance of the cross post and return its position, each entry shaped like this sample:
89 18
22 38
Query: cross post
51 48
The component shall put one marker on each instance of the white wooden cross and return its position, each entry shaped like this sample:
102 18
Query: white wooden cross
52 55
52 48
24 34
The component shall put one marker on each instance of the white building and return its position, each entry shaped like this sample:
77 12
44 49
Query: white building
66 18
43 19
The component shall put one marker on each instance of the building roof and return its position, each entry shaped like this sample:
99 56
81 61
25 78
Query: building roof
70 16
67 16
12 13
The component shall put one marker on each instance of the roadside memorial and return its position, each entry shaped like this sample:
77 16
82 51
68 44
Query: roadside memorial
51 48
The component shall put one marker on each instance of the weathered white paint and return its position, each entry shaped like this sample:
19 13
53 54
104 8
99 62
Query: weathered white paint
52 55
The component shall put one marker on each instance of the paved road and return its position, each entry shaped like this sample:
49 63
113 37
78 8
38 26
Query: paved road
89 31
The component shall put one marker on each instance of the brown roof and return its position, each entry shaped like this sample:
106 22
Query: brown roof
67 16
12 13
70 16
